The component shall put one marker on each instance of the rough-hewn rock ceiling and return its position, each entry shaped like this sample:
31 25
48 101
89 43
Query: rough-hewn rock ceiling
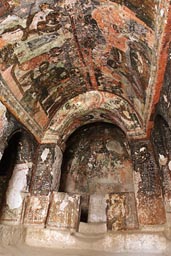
65 63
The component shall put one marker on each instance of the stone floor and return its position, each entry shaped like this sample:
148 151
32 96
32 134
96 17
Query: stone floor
20 241
23 250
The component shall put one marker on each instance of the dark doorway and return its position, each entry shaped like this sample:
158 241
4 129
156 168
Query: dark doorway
7 164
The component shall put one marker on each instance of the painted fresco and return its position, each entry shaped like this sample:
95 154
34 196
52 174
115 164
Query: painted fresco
92 107
148 187
97 162
52 52
64 212
164 107
36 209
161 137
121 211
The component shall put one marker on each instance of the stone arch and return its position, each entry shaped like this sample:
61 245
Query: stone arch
101 106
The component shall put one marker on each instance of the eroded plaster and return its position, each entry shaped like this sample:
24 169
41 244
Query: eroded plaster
16 186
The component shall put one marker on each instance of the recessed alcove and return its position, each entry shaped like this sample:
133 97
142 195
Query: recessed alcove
15 176
97 165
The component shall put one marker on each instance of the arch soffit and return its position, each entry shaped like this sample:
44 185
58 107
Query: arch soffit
91 107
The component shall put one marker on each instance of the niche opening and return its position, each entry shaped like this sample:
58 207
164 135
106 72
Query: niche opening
97 162
7 164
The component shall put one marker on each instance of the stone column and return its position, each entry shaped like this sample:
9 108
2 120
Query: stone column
161 137
147 180
45 179
47 169
18 181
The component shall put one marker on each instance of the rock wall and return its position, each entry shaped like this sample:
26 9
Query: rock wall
161 137
162 143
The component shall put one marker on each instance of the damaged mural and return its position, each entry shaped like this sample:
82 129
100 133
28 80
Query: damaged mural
85 129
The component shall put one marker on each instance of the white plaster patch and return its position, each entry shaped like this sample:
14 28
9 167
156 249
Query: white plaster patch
97 208
17 183
169 164
142 149
114 146
63 205
71 199
126 113
45 154
165 98
161 12
162 159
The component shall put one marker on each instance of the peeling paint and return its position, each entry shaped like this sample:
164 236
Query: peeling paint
36 210
63 205
96 160
162 159
45 154
64 211
66 68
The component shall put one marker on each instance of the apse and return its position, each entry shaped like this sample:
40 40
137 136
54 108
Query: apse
97 165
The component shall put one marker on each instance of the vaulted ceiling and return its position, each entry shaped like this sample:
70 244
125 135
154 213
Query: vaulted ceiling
65 63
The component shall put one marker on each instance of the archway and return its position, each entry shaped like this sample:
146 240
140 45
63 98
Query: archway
97 165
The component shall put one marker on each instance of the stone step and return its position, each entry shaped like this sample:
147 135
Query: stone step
92 228
135 243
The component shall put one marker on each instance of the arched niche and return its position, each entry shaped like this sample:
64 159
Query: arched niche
15 174
97 165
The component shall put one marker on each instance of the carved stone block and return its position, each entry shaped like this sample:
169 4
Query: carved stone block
36 210
11 216
64 211
97 208
151 210
121 211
